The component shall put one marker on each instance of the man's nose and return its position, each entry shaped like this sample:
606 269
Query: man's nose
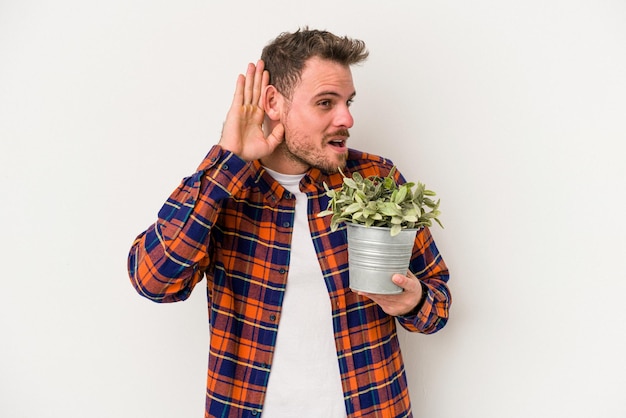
344 118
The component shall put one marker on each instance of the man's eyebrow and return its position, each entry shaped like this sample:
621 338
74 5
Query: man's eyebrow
333 93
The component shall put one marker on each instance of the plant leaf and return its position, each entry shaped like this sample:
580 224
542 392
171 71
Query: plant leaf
349 182
401 195
352 208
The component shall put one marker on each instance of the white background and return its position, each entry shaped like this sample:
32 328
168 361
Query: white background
513 111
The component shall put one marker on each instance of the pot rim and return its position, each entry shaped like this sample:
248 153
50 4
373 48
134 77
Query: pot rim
380 227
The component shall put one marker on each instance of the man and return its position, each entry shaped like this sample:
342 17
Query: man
288 337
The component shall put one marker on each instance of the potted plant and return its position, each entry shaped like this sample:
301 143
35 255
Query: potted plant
382 220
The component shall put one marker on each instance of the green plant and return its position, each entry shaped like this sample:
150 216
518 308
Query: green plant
380 201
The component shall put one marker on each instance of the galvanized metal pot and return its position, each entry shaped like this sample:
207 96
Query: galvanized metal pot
374 256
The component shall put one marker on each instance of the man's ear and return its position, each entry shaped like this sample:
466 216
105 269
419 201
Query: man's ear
272 103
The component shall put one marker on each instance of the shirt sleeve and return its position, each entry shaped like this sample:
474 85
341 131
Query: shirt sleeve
168 259
429 267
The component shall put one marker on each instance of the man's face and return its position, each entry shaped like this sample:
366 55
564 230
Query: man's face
317 117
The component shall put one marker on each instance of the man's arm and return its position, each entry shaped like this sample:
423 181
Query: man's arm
170 257
424 304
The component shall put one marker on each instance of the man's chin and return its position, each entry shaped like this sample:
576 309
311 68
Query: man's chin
336 165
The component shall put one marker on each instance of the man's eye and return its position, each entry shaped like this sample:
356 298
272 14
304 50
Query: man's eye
324 103
349 102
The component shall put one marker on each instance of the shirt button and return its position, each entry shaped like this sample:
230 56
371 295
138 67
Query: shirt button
282 271
225 167
272 317
254 413
286 224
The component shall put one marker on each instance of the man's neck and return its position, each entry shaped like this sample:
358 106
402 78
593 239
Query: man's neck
282 161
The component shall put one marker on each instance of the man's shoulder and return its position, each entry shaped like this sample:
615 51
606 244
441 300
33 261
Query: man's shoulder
368 164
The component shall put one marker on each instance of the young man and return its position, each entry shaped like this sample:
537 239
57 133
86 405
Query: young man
288 337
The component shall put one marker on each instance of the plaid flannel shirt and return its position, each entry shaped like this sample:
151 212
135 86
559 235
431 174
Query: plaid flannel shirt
232 222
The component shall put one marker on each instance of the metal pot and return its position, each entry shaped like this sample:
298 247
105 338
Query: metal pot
374 256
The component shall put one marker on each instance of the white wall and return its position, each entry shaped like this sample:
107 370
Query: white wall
514 111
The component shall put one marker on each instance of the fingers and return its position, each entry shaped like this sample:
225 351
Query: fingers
239 89
265 81
249 82
259 77
408 282
249 87
255 75
400 303
277 136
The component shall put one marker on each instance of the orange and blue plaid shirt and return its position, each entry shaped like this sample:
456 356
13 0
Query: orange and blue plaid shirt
232 222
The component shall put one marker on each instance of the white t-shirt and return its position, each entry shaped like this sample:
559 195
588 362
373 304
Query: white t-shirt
304 379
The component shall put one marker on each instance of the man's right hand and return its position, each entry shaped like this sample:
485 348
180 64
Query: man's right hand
243 130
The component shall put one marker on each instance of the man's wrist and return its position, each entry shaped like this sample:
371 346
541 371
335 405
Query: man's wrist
421 302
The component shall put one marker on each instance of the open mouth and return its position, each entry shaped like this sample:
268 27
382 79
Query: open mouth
337 143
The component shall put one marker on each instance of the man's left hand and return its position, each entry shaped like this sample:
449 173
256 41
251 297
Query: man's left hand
401 303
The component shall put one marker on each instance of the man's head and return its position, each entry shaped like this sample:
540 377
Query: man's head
310 93
286 55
